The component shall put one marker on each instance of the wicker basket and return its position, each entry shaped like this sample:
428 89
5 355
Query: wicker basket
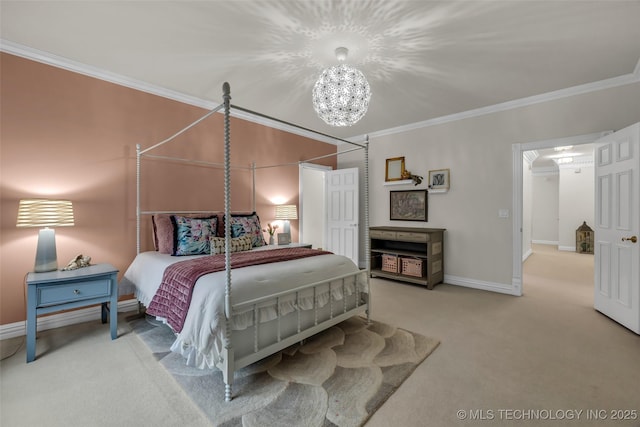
412 267
390 263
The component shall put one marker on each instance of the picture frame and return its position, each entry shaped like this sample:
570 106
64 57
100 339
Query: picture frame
394 169
408 205
439 180
284 238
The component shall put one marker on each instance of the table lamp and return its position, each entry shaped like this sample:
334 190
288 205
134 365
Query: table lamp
45 213
286 213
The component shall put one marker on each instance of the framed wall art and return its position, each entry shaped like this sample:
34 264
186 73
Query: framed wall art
394 169
409 205
439 180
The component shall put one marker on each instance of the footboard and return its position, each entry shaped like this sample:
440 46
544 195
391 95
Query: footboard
342 297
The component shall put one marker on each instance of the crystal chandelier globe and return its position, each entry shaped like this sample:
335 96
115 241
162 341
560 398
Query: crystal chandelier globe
341 95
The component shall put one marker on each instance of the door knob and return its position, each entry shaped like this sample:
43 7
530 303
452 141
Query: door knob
632 238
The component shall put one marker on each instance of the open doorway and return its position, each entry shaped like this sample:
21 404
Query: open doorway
560 226
313 204
558 198
329 205
560 183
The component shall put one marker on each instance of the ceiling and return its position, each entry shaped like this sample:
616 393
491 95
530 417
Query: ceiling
582 153
423 59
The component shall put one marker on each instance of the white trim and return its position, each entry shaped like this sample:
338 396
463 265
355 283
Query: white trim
545 242
77 67
531 156
518 103
87 70
581 161
98 73
567 248
12 330
479 284
516 225
545 170
527 254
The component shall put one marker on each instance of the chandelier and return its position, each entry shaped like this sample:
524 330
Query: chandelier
341 94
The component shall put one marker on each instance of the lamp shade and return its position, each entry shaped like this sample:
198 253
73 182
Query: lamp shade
45 213
286 212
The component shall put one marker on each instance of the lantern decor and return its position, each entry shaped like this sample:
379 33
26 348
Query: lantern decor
584 239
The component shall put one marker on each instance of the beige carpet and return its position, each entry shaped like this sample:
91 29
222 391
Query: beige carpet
548 349
337 378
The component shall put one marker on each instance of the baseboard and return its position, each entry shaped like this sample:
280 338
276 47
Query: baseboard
479 284
12 330
545 242
567 248
527 255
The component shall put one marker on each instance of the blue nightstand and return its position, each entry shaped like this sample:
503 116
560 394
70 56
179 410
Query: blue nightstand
62 290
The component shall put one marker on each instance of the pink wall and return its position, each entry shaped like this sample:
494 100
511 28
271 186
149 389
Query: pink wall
65 135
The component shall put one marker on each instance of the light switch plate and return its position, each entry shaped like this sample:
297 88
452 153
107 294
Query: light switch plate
503 213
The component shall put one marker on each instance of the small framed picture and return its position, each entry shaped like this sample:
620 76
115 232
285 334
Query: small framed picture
284 238
394 169
439 181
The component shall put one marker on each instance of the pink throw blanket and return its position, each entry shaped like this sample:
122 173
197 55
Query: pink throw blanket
173 297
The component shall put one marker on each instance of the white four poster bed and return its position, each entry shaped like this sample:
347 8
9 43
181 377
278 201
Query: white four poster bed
234 317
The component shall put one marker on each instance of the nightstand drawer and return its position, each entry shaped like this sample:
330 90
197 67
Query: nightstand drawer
77 291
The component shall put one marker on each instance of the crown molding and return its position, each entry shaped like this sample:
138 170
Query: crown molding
77 67
545 171
87 70
610 83
578 162
530 156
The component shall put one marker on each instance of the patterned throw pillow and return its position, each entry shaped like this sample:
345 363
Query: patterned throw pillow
192 235
164 230
247 225
238 244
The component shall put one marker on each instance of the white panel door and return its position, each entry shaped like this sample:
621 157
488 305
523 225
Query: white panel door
617 250
342 212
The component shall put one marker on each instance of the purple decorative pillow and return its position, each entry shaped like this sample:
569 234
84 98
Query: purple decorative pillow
163 234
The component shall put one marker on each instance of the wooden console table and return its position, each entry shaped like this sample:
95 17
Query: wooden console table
420 249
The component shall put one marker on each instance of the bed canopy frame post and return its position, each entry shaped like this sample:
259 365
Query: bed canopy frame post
367 245
137 199
253 186
228 349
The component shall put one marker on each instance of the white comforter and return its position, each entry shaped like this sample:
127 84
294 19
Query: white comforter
201 338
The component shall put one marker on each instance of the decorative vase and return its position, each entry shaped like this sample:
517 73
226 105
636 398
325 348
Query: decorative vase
271 242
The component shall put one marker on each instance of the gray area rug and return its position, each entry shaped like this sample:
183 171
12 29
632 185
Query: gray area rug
339 377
